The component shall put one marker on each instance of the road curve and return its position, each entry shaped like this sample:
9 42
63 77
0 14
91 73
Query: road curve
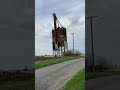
56 76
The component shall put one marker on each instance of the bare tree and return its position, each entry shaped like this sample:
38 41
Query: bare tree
70 53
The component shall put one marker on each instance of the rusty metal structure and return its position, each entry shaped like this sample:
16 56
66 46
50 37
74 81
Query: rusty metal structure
59 38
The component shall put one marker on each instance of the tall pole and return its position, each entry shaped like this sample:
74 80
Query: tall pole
92 43
73 42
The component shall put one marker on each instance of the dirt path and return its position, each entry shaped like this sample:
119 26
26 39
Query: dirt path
56 76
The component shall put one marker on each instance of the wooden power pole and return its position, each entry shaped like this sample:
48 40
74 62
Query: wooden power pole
92 42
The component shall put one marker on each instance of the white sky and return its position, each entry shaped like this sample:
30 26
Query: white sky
71 14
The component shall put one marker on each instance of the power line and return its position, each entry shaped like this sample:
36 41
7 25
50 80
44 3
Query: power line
92 42
73 41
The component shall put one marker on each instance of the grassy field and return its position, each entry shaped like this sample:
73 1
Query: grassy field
100 74
19 85
40 64
77 82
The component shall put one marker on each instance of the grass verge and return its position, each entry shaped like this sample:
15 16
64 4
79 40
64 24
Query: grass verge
40 64
19 85
101 74
77 82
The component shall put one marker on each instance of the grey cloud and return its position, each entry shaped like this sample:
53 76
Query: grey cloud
15 18
106 28
67 15
16 34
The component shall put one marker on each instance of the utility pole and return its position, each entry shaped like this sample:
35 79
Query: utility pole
73 41
92 42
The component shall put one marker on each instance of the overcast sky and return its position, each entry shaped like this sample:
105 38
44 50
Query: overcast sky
71 14
106 29
16 34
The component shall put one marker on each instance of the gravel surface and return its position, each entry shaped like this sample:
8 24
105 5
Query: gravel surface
56 76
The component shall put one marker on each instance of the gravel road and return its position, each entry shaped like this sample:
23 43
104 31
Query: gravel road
56 76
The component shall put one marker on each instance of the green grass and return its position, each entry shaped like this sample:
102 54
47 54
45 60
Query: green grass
40 64
19 85
100 74
77 82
